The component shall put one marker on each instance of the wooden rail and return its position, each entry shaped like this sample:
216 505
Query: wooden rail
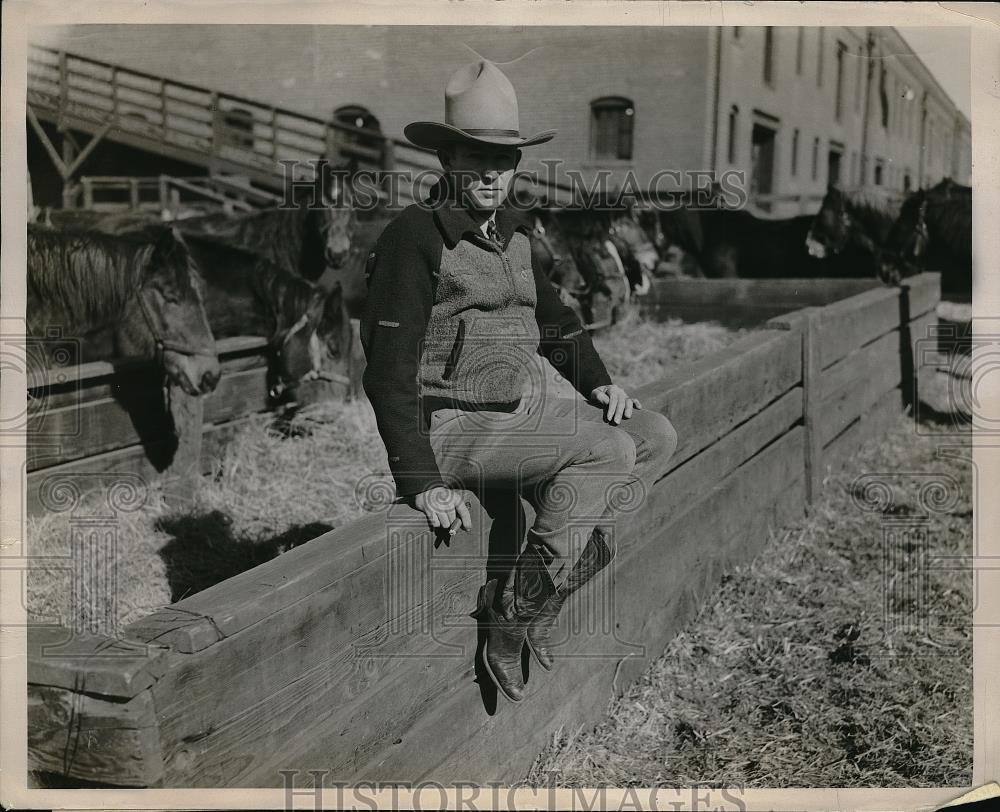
107 417
352 653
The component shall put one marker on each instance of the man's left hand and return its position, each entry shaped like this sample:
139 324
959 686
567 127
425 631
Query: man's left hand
619 405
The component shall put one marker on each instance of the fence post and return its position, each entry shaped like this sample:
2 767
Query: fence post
812 372
184 471
908 372
805 322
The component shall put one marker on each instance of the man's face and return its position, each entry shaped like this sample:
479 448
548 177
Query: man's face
485 173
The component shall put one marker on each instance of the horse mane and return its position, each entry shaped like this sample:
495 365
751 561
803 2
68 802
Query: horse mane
875 212
84 273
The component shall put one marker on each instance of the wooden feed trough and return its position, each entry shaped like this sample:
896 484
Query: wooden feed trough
353 653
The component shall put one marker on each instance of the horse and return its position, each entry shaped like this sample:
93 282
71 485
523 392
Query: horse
676 235
637 251
247 294
142 292
310 241
608 289
934 232
849 232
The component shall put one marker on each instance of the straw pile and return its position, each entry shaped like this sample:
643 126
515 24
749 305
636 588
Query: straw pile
817 665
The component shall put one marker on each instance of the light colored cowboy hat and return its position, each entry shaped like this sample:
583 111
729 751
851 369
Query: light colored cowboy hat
480 107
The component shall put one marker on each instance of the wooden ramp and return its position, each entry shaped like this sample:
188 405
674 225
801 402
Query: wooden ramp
353 654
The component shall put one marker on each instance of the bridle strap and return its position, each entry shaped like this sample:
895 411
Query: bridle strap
162 344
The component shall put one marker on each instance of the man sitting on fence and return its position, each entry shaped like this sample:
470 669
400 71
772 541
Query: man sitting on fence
455 315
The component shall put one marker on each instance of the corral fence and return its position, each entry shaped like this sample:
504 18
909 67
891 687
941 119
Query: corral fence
353 654
118 418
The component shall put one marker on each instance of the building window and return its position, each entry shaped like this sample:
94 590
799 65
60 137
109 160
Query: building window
815 159
762 164
798 50
734 114
795 151
769 54
906 181
819 58
354 115
237 128
612 120
833 162
854 168
879 171
841 49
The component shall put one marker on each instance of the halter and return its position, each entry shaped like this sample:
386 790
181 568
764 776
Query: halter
557 258
162 344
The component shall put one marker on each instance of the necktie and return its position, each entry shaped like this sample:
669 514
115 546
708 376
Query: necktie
492 231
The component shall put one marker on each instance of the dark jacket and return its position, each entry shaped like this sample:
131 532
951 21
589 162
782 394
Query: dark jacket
453 320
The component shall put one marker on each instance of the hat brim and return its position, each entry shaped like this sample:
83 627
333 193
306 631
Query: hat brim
433 135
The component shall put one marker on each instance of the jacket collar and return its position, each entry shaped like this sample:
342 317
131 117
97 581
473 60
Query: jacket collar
455 221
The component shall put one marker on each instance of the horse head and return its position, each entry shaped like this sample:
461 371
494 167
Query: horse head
636 250
829 232
906 247
171 300
551 252
338 220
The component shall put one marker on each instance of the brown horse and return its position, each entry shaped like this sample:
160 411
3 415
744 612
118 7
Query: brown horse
249 295
142 290
934 232
310 241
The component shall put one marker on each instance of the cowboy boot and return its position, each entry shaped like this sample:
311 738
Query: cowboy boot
595 557
507 617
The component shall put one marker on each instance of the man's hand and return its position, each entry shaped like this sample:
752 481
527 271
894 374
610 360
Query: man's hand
440 505
618 404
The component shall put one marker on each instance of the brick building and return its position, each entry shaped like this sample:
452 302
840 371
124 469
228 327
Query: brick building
790 107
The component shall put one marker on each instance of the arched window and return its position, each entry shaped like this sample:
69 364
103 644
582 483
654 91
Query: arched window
237 128
354 115
359 117
734 116
612 121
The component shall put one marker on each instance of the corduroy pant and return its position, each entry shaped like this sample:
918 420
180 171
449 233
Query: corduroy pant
576 469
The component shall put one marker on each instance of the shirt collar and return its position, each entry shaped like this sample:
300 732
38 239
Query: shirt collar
455 221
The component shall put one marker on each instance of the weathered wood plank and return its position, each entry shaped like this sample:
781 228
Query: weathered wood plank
78 392
924 293
84 737
707 398
125 460
292 687
687 555
92 664
860 384
869 428
854 322
103 369
701 408
926 356
790 294
97 426
577 694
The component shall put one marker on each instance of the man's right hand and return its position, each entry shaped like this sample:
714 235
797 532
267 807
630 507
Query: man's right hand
441 506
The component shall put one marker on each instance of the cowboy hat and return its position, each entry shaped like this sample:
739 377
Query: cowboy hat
480 107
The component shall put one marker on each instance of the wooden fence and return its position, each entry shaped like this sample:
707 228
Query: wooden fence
353 654
100 417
